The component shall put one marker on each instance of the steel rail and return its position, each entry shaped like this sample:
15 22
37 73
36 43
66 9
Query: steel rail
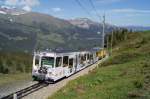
24 92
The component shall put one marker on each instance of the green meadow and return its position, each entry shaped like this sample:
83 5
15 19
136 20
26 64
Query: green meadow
125 75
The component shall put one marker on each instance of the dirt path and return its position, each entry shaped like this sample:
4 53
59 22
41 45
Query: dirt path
52 88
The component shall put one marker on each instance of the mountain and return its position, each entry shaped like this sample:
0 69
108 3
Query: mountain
138 28
83 23
88 24
29 31
12 11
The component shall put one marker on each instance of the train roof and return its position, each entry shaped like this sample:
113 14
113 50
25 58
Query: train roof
69 51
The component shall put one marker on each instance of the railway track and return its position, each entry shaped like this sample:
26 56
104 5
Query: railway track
24 92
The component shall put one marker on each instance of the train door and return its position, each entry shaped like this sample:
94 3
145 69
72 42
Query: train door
88 58
91 58
95 57
58 67
76 63
65 65
71 65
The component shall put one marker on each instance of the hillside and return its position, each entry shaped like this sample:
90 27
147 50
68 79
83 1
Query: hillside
125 75
29 31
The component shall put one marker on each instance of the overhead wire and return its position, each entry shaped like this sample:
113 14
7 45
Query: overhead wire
103 32
94 8
80 4
97 14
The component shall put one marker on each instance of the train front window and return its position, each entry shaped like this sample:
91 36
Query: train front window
47 61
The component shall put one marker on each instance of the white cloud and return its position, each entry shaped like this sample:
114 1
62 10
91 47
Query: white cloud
24 4
108 1
30 2
124 14
56 9
27 8
130 11
11 2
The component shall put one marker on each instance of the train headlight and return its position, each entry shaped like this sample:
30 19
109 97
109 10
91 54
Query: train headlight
34 70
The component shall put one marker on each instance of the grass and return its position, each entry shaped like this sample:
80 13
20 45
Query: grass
126 75
12 78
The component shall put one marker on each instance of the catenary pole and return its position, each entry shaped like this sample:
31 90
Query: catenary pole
103 34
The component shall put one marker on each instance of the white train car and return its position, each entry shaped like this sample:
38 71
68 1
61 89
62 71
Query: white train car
52 66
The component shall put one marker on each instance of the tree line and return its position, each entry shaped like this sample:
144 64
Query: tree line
15 62
116 36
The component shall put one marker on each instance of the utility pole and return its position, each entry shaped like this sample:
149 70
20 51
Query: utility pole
111 41
103 35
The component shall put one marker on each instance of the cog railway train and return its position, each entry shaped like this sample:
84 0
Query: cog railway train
54 65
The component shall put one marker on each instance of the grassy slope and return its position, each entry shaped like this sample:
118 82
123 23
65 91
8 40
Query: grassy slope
125 75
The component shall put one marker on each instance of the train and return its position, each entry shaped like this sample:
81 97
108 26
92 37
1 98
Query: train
52 66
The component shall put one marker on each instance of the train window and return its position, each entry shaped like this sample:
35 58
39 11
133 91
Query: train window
47 61
84 57
65 61
88 56
71 63
37 60
80 59
91 56
58 61
97 54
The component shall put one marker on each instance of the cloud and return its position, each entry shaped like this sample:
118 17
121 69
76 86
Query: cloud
24 4
124 13
27 8
11 2
56 9
108 1
30 3
130 11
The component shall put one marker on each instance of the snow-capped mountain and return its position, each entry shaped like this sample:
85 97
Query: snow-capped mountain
11 10
90 25
83 22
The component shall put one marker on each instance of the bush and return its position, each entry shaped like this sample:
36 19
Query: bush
15 62
4 69
138 84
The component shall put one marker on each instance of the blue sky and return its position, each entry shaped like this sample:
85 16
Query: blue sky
118 12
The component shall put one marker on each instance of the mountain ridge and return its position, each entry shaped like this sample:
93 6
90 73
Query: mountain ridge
35 31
